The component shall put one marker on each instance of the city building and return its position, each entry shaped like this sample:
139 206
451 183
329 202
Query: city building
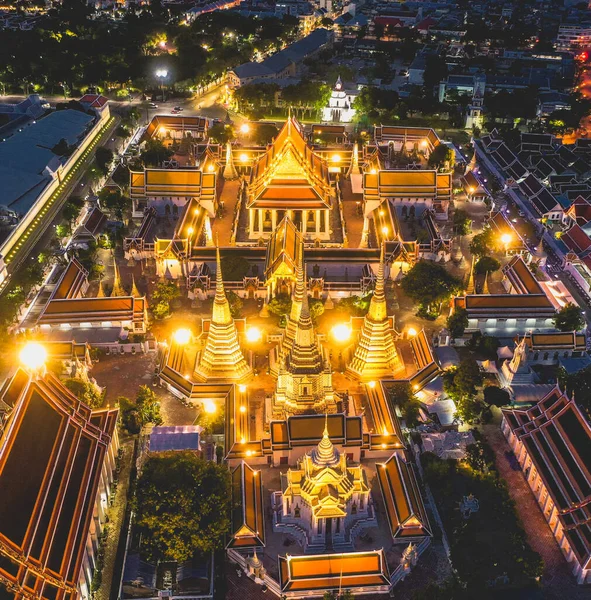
340 105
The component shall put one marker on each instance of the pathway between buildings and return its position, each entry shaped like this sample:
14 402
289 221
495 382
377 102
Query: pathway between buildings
116 518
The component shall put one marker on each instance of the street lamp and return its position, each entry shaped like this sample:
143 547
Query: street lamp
182 336
244 128
506 239
161 74
341 332
33 356
209 406
253 335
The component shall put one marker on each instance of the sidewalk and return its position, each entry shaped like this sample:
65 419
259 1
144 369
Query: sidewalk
116 518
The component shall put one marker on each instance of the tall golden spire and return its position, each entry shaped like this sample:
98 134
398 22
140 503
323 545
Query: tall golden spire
485 286
134 291
470 289
229 170
376 356
297 298
325 453
221 359
101 290
117 287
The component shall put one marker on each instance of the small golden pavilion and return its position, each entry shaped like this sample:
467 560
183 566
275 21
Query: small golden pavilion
291 179
324 497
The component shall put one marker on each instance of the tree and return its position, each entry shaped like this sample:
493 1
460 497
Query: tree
114 201
462 222
569 318
457 322
148 406
221 134
264 134
130 417
182 506
280 305
480 456
166 291
402 396
235 267
104 158
496 396
155 153
235 302
442 157
578 385
486 264
316 308
461 381
481 243
429 285
85 392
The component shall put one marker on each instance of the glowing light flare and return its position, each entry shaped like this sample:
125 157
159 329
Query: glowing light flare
254 335
372 384
182 336
411 332
341 332
244 128
243 409
336 158
33 356
243 157
242 388
209 407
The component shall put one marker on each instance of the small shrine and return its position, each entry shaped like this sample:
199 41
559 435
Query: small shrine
340 105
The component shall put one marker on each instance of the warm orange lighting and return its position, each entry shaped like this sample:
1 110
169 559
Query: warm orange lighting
373 171
190 231
253 335
505 238
242 388
162 130
341 332
209 407
243 409
385 230
33 356
244 128
424 143
411 332
182 336
372 384
336 158
211 168
384 447
243 157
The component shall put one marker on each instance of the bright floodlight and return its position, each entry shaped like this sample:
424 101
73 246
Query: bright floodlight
412 332
385 230
211 167
244 128
253 335
336 158
372 384
243 409
505 238
33 355
161 73
182 336
243 157
242 388
209 407
424 143
341 332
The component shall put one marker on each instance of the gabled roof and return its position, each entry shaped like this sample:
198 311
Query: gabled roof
248 515
71 282
284 250
557 438
331 571
576 240
45 518
402 499
289 174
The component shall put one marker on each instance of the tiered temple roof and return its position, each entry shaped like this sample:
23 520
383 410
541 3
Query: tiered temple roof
221 360
289 175
49 487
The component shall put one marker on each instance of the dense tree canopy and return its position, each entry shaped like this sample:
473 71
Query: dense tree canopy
457 322
182 505
429 284
569 318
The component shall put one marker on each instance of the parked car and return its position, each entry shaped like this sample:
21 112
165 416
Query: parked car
178 108
152 105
